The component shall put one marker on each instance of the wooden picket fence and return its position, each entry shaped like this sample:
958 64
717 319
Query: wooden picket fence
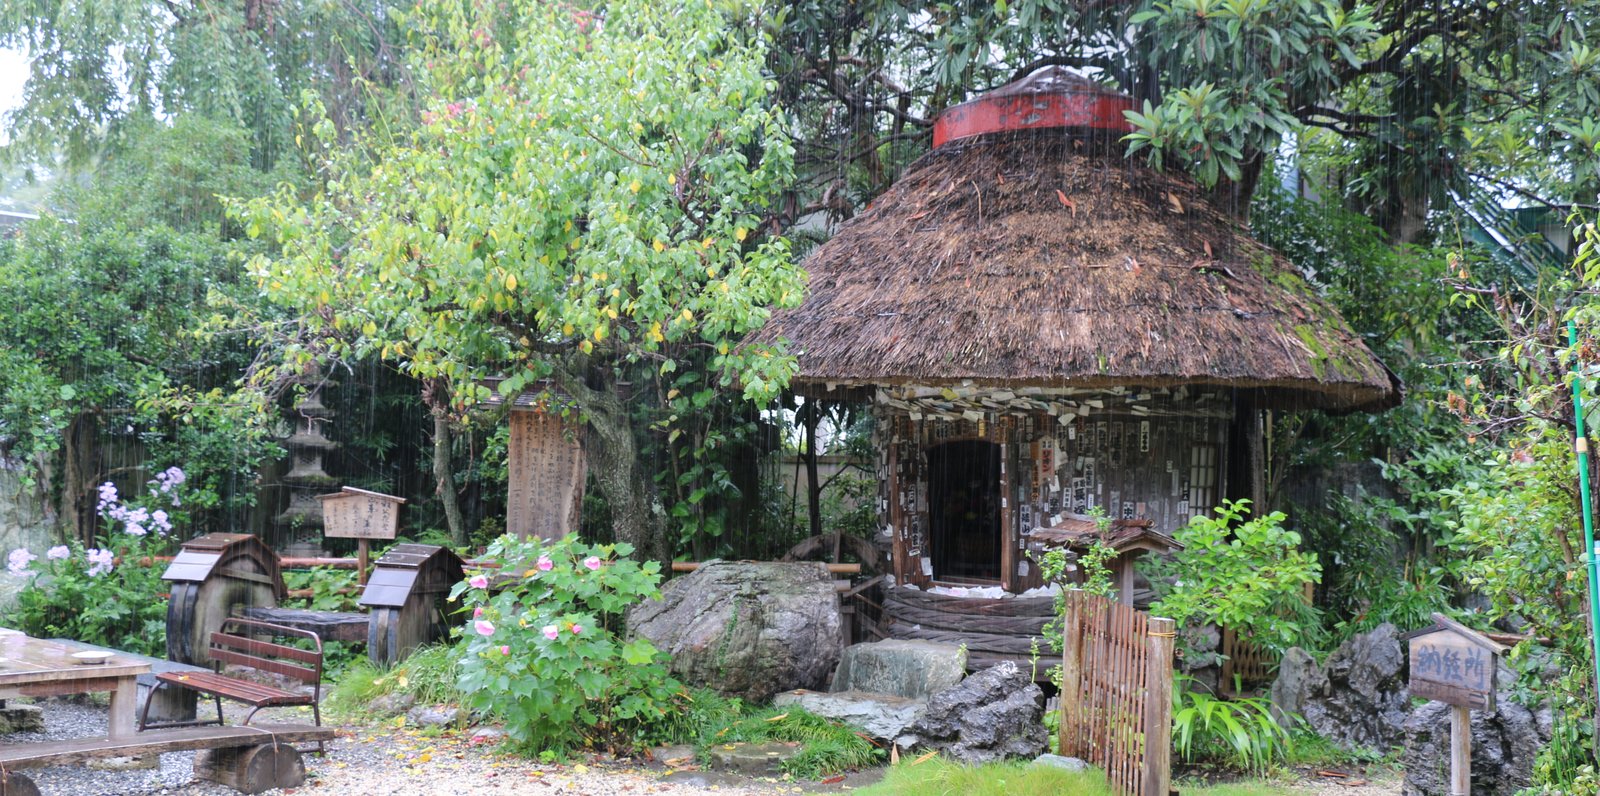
1116 693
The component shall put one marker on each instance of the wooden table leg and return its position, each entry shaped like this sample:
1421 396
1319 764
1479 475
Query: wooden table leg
123 699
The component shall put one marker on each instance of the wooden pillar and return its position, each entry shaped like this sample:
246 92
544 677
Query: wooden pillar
1122 572
897 515
1460 750
1008 542
1157 775
1071 673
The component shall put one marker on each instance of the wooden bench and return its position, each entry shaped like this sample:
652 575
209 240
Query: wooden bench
239 643
249 759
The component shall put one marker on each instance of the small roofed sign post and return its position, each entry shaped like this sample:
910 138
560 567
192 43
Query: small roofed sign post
361 515
1457 666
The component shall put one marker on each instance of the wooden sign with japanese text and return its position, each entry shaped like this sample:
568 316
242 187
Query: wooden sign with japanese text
358 514
545 474
1454 664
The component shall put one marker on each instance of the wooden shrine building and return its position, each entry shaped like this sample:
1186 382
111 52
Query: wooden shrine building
1044 326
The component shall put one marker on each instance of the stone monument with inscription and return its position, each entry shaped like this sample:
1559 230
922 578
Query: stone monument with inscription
545 472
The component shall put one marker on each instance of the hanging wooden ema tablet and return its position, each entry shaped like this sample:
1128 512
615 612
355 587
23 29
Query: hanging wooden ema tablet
361 515
1457 666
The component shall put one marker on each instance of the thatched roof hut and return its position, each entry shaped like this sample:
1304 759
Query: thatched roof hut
1048 329
1045 257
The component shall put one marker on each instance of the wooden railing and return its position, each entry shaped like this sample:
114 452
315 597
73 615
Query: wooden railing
1116 693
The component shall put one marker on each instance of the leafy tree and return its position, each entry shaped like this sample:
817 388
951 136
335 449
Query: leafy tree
97 67
584 203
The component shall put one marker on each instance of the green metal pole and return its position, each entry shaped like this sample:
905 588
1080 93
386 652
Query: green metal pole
1590 554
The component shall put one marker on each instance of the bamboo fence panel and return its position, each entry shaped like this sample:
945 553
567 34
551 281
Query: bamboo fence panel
1116 692
1246 663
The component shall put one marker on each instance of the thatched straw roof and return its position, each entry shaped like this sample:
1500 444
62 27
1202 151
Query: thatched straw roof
1040 259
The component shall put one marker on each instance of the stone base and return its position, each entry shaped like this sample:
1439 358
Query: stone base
880 716
252 769
757 760
21 718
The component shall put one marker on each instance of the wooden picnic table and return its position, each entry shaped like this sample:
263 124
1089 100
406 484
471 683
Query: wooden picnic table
34 667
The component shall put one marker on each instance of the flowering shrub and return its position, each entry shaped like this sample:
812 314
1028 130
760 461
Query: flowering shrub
100 595
543 650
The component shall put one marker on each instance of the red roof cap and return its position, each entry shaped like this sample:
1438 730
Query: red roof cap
1050 97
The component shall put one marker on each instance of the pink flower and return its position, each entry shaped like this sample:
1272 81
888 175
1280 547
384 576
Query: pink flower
550 632
545 564
58 553
576 628
484 627
478 582
505 649
477 613
592 562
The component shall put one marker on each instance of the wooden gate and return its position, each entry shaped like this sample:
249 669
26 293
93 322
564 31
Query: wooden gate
1116 693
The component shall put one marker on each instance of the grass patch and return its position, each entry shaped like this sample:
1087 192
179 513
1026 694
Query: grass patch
429 674
938 777
707 719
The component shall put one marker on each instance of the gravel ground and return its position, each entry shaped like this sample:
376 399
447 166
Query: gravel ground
394 760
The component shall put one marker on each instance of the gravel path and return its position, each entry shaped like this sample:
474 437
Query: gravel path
395 760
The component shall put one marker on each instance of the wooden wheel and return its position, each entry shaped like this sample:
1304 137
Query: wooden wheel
394 633
213 578
406 600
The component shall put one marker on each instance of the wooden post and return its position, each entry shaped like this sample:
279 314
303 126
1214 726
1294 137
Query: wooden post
1157 774
1460 750
362 555
1071 671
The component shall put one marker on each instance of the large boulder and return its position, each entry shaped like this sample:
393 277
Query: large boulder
993 715
747 629
1504 744
900 667
879 715
1358 698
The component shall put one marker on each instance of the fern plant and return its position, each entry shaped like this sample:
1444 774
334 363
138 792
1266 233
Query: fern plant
1240 733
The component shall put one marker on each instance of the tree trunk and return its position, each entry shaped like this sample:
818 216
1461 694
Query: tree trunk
78 470
613 454
435 393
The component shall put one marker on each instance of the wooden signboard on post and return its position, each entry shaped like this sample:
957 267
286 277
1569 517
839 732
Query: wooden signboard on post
545 473
1456 665
361 515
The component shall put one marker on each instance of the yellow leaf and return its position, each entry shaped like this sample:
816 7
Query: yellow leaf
600 331
566 328
923 759
706 244
658 245
369 328
741 234
580 769
711 271
672 179
424 757
634 186
611 313
655 332
779 717
687 315
586 346
511 282
722 348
